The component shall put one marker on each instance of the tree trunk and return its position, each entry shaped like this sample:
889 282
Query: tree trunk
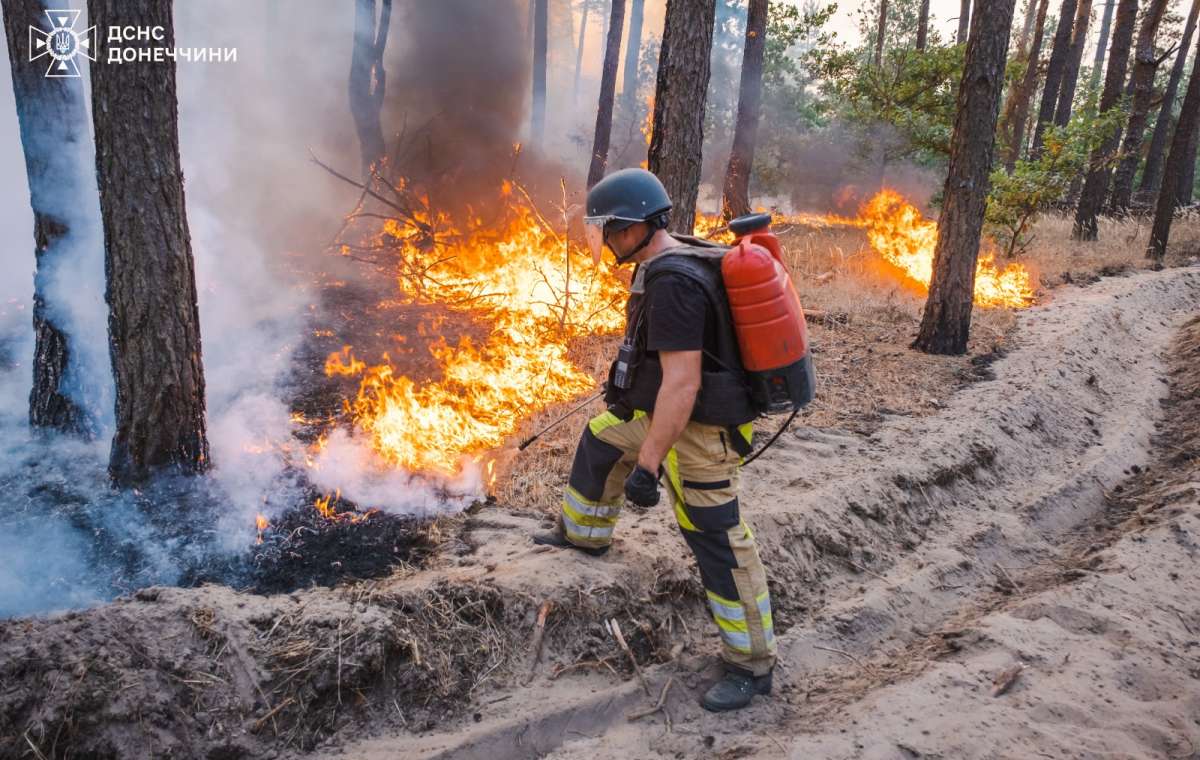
633 54
1027 26
1152 173
964 21
1101 44
1066 93
923 25
1095 184
1055 69
608 89
881 32
153 321
1183 193
537 117
946 322
1016 112
677 134
1182 148
367 79
53 127
587 6
1144 69
735 200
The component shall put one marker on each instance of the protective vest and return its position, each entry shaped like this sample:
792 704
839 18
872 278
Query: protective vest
724 398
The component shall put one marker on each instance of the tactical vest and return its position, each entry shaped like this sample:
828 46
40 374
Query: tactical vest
724 398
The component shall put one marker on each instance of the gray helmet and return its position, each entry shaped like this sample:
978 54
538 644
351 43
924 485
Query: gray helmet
628 195
621 199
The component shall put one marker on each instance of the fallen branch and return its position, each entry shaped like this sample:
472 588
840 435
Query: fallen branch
662 700
845 654
615 629
539 631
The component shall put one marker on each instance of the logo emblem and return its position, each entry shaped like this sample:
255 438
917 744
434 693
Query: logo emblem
62 43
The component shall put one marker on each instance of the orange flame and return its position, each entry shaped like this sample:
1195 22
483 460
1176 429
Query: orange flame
537 290
260 522
899 233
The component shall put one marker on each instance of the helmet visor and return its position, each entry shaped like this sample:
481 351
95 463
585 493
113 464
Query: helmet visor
594 228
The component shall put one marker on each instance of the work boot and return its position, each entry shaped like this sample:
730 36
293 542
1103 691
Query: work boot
735 690
557 539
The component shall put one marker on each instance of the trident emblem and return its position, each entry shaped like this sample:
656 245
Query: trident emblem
62 43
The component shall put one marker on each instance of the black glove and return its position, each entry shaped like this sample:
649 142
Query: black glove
641 487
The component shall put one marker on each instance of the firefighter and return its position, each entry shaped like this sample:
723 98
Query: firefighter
680 412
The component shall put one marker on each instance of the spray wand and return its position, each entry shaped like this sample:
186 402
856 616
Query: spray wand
525 443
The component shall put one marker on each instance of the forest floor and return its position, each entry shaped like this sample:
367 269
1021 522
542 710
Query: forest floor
933 523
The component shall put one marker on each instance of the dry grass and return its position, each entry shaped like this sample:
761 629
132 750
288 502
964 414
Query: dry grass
865 368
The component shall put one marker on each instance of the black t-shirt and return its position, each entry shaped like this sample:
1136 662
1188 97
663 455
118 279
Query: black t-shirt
679 316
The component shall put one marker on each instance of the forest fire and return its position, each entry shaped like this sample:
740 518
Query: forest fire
899 233
535 289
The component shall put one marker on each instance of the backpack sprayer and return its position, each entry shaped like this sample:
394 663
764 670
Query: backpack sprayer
769 323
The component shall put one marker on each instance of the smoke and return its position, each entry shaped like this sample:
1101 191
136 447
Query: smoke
261 216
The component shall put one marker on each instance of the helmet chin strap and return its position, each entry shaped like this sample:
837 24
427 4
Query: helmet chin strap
655 226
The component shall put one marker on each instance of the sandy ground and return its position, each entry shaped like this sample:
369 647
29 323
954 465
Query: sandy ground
909 565
914 565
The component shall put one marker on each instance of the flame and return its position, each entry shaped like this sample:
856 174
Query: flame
537 292
260 522
899 233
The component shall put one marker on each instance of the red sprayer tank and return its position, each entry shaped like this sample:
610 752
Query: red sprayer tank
767 317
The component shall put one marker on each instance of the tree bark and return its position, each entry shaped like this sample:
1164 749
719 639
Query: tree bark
1066 93
677 136
587 6
1183 193
1095 184
1182 148
153 322
633 54
368 79
881 32
537 117
53 125
923 25
1144 69
608 89
1055 70
964 21
946 322
1101 44
1016 111
1152 173
735 199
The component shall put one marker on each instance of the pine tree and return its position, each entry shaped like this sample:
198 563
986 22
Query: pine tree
54 139
154 322
1152 172
1095 184
946 322
608 87
1145 66
368 79
677 136
736 196
1182 147
1016 111
537 117
1055 70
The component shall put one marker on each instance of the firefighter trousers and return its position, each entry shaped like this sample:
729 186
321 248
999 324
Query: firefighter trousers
702 478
